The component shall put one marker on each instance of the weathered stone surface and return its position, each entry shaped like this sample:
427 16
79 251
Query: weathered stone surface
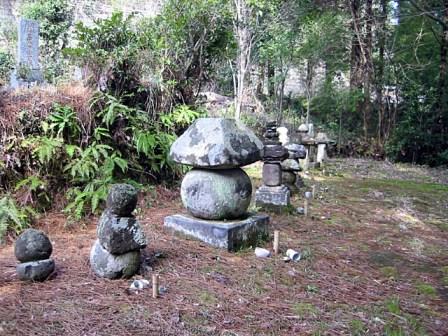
113 266
272 198
35 270
296 151
32 245
122 199
216 194
299 182
290 165
217 143
119 235
231 235
275 153
321 153
322 138
272 174
288 178
303 128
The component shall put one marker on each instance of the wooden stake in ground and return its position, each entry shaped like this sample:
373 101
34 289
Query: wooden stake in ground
276 241
313 191
305 207
155 286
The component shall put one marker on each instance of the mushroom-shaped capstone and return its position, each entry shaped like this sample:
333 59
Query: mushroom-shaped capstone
303 128
217 143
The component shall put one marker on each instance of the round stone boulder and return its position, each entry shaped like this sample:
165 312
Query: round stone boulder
217 143
32 245
290 165
216 194
113 266
35 270
122 199
119 235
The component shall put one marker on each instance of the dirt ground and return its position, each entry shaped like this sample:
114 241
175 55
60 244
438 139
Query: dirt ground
375 263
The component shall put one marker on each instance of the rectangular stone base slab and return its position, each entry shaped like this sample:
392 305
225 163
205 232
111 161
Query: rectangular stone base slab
273 198
231 235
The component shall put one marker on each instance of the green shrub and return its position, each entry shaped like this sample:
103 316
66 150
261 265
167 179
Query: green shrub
12 217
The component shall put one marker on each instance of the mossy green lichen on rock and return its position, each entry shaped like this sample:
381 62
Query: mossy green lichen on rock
122 199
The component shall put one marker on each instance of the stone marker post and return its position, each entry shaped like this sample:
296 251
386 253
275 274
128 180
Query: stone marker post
27 71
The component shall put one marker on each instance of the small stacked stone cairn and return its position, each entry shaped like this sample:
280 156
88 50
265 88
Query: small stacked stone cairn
273 195
291 167
33 249
116 252
217 192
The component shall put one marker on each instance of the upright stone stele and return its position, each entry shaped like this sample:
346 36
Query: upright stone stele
273 195
217 192
27 72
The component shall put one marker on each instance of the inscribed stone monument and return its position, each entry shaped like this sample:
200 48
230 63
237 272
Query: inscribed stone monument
27 72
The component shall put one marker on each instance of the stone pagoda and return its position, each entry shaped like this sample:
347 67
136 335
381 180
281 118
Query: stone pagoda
273 194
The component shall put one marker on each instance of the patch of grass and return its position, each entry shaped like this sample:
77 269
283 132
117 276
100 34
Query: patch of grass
304 309
208 299
390 272
357 327
393 305
391 329
404 185
426 289
311 289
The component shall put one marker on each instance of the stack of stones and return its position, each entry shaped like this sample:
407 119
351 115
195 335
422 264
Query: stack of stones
291 167
273 195
217 192
33 249
116 252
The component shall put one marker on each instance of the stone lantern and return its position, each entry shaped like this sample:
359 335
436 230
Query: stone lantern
217 192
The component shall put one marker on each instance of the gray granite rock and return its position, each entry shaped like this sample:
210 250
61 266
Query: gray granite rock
272 174
288 178
272 198
216 194
291 165
296 151
32 245
113 266
217 143
35 270
122 199
119 235
275 153
231 235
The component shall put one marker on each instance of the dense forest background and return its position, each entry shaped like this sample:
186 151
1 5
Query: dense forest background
372 74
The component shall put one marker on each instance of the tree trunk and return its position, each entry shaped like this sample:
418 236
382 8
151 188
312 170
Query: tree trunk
244 40
355 56
442 85
368 67
380 71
